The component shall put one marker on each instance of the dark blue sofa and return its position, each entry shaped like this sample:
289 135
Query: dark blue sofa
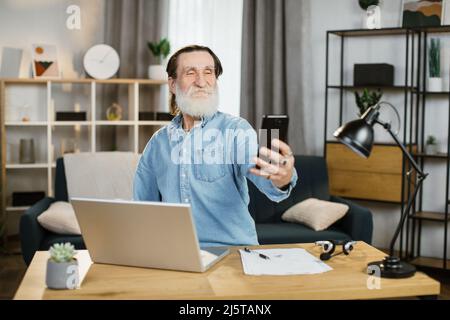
313 182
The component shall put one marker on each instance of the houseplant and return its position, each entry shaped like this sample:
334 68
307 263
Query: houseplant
62 267
160 51
367 99
431 146
434 65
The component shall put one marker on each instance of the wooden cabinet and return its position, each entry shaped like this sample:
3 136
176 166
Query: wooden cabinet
378 177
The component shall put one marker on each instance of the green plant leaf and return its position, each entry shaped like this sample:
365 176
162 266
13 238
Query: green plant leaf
364 4
367 99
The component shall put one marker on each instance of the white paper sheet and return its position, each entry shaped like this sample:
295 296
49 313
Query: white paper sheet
282 262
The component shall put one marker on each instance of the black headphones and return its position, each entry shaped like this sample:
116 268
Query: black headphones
329 247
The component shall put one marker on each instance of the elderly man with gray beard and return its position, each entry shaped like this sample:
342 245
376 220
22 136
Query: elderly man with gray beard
204 156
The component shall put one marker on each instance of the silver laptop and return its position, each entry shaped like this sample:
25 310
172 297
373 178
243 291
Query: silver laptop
143 234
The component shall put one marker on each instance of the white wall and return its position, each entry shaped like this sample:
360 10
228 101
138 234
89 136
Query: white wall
25 22
346 14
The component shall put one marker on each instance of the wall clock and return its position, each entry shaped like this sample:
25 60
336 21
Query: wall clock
101 61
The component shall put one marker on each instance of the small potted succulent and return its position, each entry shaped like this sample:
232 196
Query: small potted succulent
431 146
367 99
62 267
160 51
434 65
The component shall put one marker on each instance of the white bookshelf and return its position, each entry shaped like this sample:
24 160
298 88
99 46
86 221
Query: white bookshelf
91 132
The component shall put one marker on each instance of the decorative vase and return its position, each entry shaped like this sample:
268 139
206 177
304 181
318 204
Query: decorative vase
114 112
434 84
373 18
62 275
26 154
157 72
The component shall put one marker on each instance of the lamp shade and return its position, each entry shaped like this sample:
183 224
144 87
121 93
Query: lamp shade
357 135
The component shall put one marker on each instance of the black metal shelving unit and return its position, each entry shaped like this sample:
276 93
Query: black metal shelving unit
420 215
413 124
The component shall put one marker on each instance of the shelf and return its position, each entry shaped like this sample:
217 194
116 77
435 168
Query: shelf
88 81
369 32
430 262
70 123
153 123
435 156
26 124
12 209
435 93
388 31
115 123
430 216
26 166
349 87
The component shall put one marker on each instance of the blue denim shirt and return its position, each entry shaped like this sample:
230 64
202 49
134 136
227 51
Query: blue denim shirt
207 168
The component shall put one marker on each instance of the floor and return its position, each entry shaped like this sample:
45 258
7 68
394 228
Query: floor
12 270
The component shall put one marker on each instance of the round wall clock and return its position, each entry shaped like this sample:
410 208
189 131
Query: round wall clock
101 61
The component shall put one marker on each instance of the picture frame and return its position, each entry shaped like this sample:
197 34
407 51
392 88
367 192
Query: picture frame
446 13
422 13
45 61
11 62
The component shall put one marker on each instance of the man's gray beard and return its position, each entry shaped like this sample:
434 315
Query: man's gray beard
197 107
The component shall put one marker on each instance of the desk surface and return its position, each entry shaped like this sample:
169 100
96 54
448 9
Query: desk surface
226 280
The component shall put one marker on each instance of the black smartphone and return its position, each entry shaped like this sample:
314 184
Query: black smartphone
273 126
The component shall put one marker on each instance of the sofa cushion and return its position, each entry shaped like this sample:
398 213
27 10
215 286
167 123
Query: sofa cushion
60 218
285 232
104 175
316 214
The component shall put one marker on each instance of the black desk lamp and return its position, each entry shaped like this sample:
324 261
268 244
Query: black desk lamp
358 136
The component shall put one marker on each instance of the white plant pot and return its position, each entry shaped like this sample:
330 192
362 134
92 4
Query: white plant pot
372 19
431 149
157 72
434 84
62 275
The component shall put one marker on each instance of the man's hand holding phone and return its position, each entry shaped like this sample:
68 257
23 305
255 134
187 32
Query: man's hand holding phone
280 165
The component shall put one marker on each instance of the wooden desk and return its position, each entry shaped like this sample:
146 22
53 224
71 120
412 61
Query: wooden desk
226 280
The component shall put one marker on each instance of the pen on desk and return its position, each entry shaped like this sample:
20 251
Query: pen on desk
260 254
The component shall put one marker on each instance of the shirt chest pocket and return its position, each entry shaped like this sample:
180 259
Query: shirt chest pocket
209 164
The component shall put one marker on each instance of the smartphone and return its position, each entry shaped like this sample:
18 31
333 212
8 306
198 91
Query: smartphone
273 126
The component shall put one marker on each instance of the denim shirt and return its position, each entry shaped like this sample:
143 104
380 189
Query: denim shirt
207 168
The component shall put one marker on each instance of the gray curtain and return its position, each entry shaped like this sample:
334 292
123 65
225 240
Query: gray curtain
274 69
129 25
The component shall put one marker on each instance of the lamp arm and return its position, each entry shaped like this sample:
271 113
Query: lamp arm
412 199
416 167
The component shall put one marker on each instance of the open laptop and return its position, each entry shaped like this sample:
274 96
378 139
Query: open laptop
143 234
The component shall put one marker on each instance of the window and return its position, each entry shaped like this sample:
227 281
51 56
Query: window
216 24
